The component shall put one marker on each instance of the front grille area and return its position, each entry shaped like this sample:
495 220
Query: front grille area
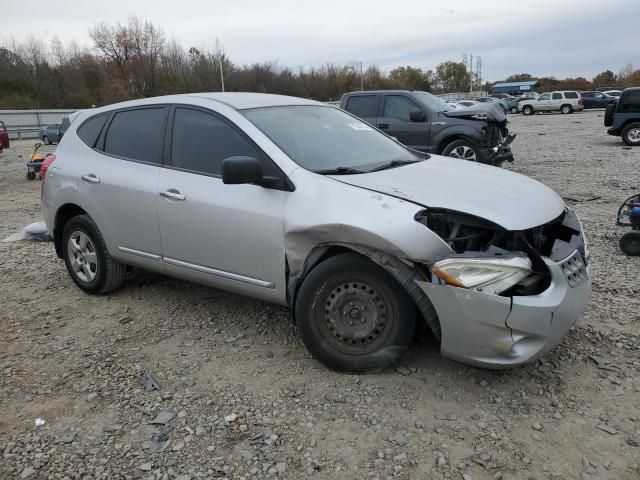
575 269
558 238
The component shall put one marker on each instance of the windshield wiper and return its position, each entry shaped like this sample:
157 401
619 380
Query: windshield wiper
339 171
392 164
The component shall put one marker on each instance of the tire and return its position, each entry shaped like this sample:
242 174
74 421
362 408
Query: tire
46 140
31 175
92 268
608 114
566 109
463 149
342 291
527 110
631 134
630 243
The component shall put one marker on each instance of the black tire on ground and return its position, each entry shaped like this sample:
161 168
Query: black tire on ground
46 140
630 243
464 149
631 134
527 110
566 109
31 175
109 272
608 114
353 316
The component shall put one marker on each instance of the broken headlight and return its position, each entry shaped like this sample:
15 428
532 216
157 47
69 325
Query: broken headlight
488 274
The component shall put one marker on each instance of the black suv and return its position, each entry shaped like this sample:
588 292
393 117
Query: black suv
424 122
623 117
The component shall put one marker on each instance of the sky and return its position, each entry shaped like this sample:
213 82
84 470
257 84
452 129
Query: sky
561 38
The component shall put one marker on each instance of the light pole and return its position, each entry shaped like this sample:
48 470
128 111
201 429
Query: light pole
221 73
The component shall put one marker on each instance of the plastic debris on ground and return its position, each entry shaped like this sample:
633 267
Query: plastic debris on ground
40 422
36 231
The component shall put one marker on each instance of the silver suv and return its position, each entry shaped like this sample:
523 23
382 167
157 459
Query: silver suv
304 205
562 101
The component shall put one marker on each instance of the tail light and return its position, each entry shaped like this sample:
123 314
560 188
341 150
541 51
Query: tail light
46 163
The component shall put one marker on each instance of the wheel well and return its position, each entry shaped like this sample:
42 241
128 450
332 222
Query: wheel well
628 122
391 264
63 215
567 105
447 141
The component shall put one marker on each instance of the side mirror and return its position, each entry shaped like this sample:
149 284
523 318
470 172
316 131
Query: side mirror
417 116
239 170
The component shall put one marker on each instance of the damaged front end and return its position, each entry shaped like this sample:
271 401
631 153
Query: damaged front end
506 297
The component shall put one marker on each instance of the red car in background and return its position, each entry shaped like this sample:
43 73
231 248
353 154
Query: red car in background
4 136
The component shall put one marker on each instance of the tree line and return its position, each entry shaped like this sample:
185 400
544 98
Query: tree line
136 59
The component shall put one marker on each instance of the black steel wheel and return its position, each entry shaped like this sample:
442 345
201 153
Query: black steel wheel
353 316
630 243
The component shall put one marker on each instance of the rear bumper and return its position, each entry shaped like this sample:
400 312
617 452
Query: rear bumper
614 131
501 332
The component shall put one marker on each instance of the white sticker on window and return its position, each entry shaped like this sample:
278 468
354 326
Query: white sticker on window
359 126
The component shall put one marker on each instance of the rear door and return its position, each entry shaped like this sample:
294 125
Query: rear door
589 99
228 236
396 121
118 180
364 106
4 136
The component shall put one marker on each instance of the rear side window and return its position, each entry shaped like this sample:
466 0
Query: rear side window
570 94
400 107
631 101
556 96
201 142
363 106
137 134
90 130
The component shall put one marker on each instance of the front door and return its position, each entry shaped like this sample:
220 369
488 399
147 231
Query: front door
229 236
396 121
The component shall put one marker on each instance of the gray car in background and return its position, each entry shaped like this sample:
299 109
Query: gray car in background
302 204
50 134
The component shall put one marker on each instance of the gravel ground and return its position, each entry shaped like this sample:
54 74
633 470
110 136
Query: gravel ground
166 379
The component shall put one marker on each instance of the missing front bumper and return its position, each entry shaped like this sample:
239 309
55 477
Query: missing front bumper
500 332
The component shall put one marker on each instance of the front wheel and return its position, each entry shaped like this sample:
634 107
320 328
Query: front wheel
463 149
353 316
88 261
631 134
527 110
46 140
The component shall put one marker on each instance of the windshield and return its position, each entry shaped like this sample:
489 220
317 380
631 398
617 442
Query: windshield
432 102
322 138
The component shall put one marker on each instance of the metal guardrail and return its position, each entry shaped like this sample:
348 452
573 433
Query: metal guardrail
21 133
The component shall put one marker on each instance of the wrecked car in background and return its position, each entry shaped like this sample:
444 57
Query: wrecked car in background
299 203
426 123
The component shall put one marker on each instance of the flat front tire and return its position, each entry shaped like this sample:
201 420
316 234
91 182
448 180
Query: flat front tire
353 316
88 261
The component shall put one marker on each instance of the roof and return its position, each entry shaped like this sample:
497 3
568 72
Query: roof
530 83
242 100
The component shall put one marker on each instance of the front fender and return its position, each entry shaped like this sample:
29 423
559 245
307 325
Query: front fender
466 132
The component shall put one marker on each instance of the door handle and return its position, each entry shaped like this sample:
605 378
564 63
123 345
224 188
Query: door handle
383 126
173 194
91 178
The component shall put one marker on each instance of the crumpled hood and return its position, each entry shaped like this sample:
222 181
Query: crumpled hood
492 111
508 199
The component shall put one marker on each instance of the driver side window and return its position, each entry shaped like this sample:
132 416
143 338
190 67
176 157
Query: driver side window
400 107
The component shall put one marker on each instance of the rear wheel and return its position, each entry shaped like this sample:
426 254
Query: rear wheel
630 243
353 316
463 149
631 134
566 109
527 110
46 140
87 259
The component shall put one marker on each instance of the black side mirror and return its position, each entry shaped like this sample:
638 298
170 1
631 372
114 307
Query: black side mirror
238 170
417 116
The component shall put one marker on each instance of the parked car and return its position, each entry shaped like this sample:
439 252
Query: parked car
467 103
4 136
50 134
613 93
596 99
499 101
623 117
295 202
562 101
426 123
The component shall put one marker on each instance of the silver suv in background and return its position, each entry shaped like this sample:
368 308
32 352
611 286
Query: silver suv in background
302 204
561 101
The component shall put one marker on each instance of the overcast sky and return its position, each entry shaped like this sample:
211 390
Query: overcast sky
542 37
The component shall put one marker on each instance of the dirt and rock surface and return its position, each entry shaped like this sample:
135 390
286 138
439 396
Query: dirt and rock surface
165 379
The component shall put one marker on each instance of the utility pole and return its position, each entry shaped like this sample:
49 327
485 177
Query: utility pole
470 72
221 72
361 78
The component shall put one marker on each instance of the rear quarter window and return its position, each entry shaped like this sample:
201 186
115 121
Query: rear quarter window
363 105
570 94
631 101
90 130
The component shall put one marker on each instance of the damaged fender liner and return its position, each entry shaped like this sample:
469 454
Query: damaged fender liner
403 271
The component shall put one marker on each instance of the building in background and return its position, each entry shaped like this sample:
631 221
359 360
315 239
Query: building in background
515 88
